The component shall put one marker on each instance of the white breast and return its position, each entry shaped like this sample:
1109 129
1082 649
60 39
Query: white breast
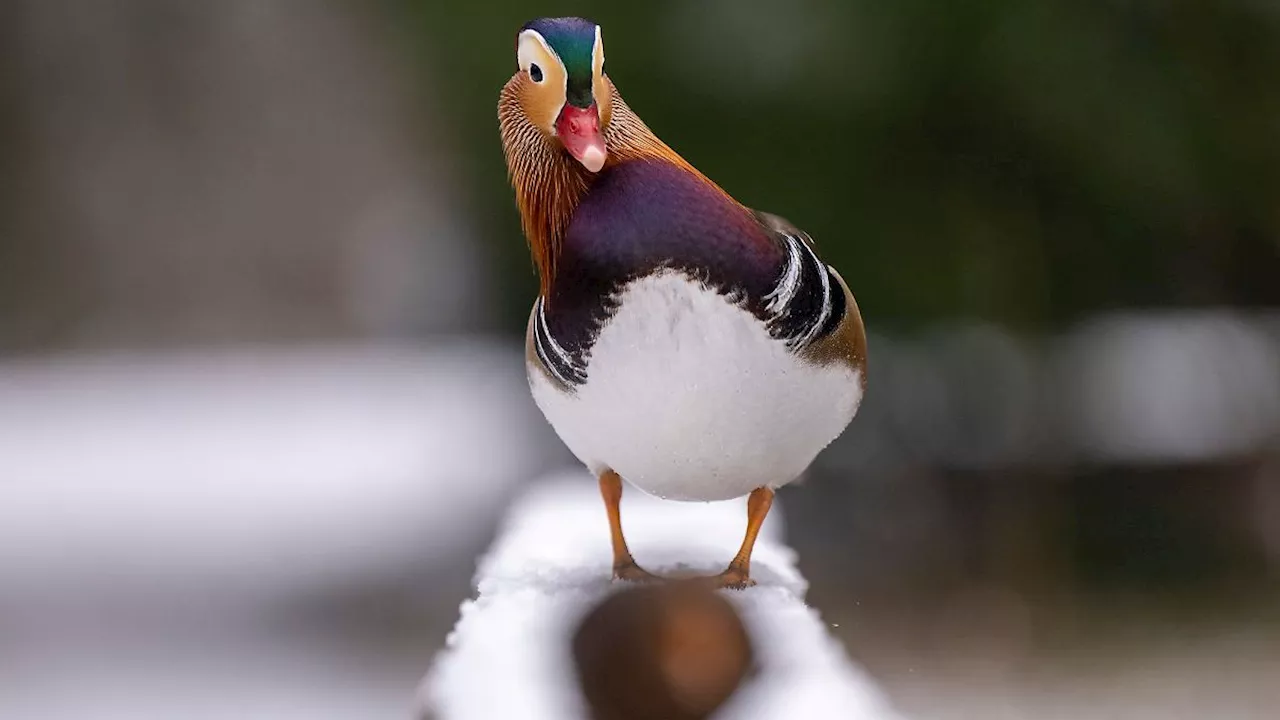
688 397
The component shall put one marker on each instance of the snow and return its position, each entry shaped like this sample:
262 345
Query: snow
225 675
172 525
551 564
254 472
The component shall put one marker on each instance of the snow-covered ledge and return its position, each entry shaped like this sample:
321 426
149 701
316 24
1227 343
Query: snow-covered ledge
509 654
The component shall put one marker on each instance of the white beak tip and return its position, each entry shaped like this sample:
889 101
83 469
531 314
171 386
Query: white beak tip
593 159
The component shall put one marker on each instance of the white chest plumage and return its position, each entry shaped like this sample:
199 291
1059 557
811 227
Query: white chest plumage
688 396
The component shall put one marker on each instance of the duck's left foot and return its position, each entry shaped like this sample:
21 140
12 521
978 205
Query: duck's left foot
631 572
735 577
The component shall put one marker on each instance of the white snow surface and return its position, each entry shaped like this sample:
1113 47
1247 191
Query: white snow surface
508 655
253 473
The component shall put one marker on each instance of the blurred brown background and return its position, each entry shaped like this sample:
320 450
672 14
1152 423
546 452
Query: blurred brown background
259 259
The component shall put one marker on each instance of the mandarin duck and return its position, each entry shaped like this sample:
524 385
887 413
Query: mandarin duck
681 341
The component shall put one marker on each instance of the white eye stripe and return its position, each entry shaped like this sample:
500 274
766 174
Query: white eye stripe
597 52
533 49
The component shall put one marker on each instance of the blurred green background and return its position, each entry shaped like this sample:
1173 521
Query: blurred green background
1027 163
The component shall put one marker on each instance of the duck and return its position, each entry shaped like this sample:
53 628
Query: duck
681 342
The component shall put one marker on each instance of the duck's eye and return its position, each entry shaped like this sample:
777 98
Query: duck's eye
535 72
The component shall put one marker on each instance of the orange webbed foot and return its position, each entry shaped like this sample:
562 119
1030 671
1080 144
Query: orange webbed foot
631 572
735 577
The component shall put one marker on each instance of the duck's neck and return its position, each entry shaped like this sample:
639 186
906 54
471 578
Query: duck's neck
549 183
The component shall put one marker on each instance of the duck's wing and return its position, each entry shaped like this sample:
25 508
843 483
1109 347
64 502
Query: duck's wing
811 307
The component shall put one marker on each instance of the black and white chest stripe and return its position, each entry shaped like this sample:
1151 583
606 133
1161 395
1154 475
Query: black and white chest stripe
808 302
569 368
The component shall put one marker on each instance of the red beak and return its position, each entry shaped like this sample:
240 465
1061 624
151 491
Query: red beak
579 131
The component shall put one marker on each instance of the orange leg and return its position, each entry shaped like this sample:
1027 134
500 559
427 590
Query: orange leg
738 574
624 566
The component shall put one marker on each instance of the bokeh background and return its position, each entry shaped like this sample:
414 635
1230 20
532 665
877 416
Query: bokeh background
262 295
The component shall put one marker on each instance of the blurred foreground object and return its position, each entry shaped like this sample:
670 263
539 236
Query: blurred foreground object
661 652
548 569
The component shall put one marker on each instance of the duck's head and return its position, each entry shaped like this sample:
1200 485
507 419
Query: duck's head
561 86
